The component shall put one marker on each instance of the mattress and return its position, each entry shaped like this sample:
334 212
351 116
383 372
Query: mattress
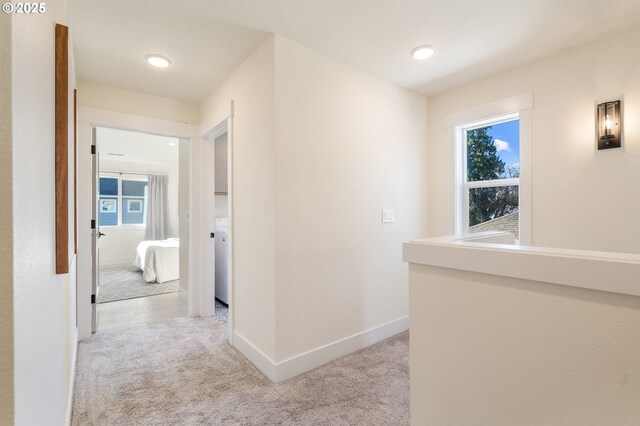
159 260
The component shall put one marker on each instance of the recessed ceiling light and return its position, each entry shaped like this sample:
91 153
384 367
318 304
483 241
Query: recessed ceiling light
172 144
423 52
158 60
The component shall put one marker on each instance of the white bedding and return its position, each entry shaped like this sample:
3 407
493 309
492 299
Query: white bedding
159 260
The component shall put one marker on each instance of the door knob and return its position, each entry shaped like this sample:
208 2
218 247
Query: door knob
101 234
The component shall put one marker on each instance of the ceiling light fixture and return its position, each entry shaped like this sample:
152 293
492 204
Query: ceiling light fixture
158 60
423 52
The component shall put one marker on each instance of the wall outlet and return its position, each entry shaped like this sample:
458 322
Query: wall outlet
388 216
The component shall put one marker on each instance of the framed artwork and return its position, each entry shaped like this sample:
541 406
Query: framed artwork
134 206
108 205
65 147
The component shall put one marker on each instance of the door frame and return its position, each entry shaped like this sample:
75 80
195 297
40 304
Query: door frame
89 118
207 269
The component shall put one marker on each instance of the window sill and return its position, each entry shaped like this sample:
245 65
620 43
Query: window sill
124 227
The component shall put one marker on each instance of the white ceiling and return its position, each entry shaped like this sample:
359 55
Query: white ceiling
208 39
123 145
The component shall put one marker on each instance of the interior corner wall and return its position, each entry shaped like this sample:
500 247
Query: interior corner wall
347 146
251 87
6 227
582 198
109 98
44 303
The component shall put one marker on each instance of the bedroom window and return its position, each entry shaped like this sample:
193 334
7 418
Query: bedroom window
123 200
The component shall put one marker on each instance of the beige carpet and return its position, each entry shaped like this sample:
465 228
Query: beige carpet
183 372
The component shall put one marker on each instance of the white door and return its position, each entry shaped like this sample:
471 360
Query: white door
95 231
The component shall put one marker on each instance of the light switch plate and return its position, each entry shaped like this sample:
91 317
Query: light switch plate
388 216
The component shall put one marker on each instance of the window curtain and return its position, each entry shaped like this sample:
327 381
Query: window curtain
158 209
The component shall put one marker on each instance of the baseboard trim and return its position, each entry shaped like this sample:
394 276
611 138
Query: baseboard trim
183 295
72 379
283 370
317 357
258 358
113 261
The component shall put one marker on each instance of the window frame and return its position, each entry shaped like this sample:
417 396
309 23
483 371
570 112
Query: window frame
131 177
516 107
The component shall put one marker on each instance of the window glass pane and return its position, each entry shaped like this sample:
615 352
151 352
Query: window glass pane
108 210
493 152
494 209
133 209
133 188
109 186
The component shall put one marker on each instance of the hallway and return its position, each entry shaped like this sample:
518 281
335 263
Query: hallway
183 371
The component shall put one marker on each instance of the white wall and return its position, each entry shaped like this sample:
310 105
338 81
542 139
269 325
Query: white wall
319 158
251 87
44 303
492 350
582 198
348 145
6 227
119 245
111 98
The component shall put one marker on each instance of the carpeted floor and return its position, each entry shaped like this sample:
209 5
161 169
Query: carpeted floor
221 313
183 372
122 282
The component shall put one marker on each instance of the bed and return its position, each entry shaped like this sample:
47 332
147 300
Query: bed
159 260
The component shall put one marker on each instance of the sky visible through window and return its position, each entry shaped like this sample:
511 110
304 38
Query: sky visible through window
506 139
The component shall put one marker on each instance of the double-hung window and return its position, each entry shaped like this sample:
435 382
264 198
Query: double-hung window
492 175
492 159
123 200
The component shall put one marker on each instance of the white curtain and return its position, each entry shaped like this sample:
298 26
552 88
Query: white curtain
157 209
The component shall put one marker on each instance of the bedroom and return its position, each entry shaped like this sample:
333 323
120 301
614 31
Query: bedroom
138 204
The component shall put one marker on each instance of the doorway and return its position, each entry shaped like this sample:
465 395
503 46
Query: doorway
222 239
138 272
218 204
195 223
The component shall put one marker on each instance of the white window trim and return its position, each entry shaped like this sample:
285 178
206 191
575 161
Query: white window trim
126 176
505 110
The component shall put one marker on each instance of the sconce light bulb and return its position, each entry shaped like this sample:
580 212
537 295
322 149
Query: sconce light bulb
607 123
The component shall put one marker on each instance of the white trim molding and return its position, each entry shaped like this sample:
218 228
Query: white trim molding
487 111
291 367
258 358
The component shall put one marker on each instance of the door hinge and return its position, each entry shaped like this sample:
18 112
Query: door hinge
93 149
93 299
212 235
93 224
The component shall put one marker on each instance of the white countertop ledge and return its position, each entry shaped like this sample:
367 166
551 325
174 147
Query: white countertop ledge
495 253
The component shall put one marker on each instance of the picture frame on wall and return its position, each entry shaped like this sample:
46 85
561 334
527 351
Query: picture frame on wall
66 237
134 206
108 205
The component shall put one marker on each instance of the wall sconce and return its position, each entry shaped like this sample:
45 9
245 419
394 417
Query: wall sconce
609 122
